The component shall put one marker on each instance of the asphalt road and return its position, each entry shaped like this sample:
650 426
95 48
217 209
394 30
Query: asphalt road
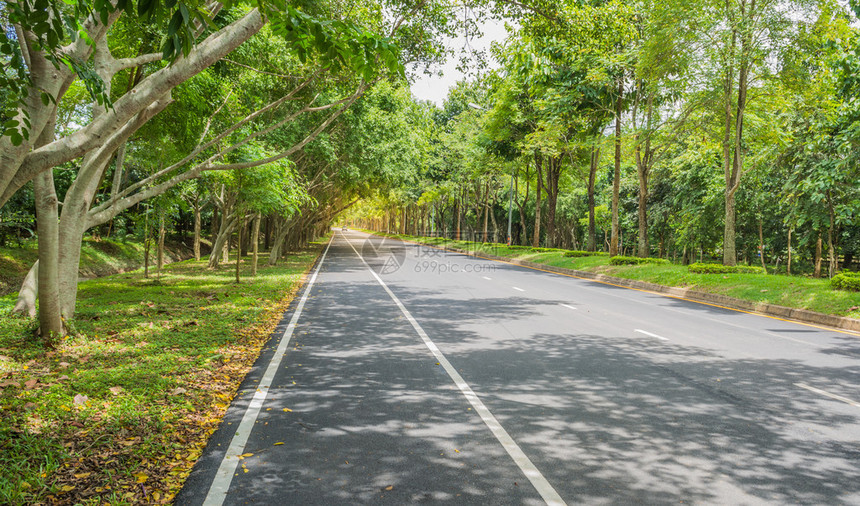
413 375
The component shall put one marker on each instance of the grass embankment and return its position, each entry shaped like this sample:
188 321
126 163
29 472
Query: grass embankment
791 291
98 258
120 412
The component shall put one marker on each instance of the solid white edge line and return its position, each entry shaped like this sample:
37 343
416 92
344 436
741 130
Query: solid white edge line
517 288
569 307
221 483
546 491
828 394
650 334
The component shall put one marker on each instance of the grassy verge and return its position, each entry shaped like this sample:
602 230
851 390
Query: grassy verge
791 291
120 412
98 258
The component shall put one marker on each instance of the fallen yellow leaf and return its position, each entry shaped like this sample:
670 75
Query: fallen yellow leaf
278 443
288 410
141 477
247 454
82 475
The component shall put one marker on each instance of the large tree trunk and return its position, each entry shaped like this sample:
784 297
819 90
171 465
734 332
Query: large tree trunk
28 293
616 178
282 228
222 240
50 311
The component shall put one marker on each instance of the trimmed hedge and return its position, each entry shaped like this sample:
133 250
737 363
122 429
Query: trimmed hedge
544 250
846 281
700 268
622 260
574 253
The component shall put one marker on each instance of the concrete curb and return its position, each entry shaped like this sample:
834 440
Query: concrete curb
788 313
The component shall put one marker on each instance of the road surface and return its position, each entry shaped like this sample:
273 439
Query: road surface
406 375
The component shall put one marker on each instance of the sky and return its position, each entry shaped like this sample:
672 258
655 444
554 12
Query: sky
435 88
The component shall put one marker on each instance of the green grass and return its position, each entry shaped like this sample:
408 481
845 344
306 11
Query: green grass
98 258
791 291
157 362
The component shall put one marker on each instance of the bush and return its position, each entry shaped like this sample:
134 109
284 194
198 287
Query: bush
700 268
846 281
544 250
622 260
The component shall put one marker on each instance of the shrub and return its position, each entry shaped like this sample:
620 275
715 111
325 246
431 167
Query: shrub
544 250
622 260
700 268
846 281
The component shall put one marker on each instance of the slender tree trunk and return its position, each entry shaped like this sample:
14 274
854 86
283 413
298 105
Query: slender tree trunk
486 208
817 269
523 236
459 213
196 227
239 247
788 263
733 178
616 178
255 242
538 184
833 260
592 176
553 174
213 230
161 234
146 243
495 222
643 168
761 244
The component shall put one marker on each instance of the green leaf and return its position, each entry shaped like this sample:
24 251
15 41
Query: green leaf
173 26
168 50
